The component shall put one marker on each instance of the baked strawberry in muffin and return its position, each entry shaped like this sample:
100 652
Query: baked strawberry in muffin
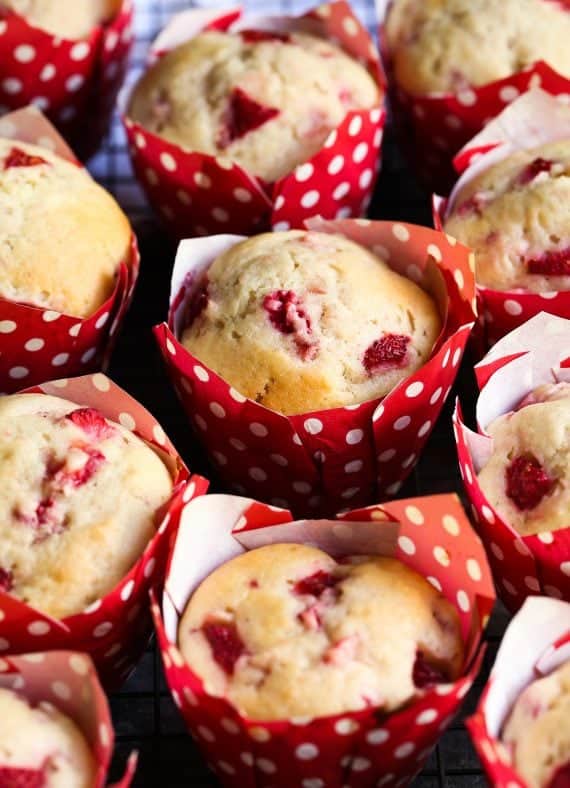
285 630
266 101
515 216
300 321
79 499
62 18
537 731
41 748
527 477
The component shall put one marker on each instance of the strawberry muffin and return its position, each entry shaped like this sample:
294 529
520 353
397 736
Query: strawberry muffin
266 101
62 237
516 217
79 499
527 477
62 18
441 46
285 631
41 747
301 321
537 732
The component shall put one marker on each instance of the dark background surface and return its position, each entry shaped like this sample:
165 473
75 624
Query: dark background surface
145 717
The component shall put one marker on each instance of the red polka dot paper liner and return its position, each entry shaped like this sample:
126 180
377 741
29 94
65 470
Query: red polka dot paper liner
435 126
199 194
532 120
115 629
40 344
323 461
537 641
75 82
533 354
357 749
67 680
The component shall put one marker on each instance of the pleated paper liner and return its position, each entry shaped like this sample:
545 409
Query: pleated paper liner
75 82
115 629
537 352
536 642
352 750
68 681
435 126
532 120
320 462
199 194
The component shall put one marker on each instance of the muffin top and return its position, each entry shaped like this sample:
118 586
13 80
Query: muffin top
285 631
62 237
263 100
79 497
516 217
537 731
527 477
449 45
64 18
301 321
40 746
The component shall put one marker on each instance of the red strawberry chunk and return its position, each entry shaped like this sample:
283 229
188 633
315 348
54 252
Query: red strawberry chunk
555 263
425 674
19 158
92 423
532 170
225 642
316 584
14 777
561 777
474 204
288 315
527 482
244 114
254 36
388 351
67 477
6 583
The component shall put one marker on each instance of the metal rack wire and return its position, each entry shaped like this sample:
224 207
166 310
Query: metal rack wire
145 716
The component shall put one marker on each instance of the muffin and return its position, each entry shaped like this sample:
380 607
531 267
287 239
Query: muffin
527 477
78 504
285 630
62 237
515 216
301 321
62 18
537 731
266 101
40 746
450 45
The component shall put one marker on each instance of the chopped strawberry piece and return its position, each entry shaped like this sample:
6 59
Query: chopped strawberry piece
14 777
73 477
92 422
253 36
532 170
6 583
287 314
227 646
310 618
555 263
244 114
425 674
316 584
343 651
561 777
388 351
19 158
527 482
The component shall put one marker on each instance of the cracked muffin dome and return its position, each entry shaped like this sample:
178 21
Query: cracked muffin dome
537 731
266 101
285 630
40 746
450 45
62 237
516 218
527 477
62 18
78 504
301 321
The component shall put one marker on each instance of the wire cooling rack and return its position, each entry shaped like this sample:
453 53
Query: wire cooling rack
145 717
